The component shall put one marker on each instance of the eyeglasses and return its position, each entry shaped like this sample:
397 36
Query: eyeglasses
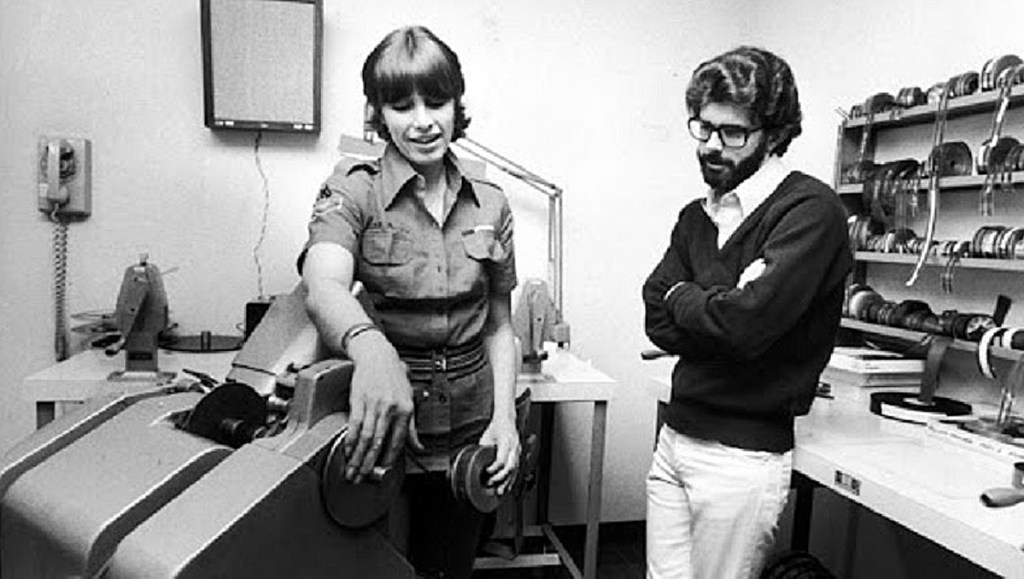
731 136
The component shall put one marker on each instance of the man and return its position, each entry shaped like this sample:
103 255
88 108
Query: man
748 295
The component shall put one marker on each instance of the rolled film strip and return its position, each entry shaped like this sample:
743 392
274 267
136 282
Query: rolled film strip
910 96
859 171
862 297
889 191
995 149
1006 241
984 350
468 474
992 158
355 505
995 70
907 407
879 103
934 93
1007 338
984 243
965 84
908 313
997 242
948 272
972 326
952 158
934 179
1014 159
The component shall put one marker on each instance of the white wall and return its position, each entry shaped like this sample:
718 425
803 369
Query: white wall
585 93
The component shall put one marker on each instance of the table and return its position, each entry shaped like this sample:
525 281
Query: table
564 379
85 375
925 484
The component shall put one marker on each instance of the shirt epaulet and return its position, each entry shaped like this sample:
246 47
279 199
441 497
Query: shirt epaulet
349 165
480 181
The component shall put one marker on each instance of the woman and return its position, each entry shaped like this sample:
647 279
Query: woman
433 250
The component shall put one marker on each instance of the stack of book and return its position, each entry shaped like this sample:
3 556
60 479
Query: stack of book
870 368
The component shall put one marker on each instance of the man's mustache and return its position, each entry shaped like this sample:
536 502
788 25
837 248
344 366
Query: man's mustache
713 157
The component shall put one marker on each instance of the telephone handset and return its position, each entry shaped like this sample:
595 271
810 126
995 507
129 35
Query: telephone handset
64 177
58 165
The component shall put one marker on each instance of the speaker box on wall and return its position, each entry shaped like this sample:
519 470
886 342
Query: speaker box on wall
261 64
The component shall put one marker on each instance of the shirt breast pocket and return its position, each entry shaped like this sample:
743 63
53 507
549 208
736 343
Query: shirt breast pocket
385 246
482 245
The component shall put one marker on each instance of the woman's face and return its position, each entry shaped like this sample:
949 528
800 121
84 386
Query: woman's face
421 128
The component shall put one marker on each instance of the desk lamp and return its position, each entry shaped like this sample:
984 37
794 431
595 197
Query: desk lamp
537 318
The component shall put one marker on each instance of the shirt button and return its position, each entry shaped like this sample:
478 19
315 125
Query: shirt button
442 399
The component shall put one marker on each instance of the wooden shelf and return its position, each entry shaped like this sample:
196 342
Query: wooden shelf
914 336
922 114
1015 265
946 183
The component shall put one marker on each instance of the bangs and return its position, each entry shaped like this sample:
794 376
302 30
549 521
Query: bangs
413 60
413 65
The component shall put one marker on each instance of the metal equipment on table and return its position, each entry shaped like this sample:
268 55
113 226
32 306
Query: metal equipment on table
141 315
535 321
187 481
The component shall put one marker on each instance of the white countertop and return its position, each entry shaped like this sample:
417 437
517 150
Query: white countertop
564 376
926 484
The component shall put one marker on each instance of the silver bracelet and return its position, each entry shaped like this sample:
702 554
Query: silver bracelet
353 331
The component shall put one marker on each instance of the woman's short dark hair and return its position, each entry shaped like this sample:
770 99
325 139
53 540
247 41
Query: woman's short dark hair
413 59
756 80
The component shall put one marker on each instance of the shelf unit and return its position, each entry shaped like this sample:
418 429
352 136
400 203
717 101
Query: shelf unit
851 132
914 336
957 107
951 182
1013 265
892 134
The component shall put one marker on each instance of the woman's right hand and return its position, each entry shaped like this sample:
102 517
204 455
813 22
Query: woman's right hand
380 405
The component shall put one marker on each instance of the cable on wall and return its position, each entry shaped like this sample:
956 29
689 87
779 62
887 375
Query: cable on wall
264 218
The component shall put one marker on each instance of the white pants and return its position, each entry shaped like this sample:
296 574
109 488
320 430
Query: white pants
712 509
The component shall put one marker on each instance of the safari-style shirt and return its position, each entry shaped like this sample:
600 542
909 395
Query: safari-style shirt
430 283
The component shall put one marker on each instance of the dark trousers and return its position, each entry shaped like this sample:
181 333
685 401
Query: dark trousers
443 533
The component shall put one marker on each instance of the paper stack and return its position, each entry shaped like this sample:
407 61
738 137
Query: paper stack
870 368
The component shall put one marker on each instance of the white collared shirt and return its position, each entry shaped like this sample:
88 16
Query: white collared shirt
729 210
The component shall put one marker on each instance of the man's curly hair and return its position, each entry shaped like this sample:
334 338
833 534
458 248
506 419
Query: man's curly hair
755 80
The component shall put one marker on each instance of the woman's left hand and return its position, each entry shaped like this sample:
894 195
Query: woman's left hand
502 433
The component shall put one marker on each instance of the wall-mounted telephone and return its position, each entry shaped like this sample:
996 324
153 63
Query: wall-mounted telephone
64 193
64 182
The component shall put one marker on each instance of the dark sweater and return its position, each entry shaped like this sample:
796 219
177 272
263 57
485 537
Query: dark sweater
750 359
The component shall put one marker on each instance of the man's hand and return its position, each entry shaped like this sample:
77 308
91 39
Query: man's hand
502 433
381 405
752 272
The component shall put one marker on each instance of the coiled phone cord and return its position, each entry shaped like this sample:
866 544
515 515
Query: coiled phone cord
60 278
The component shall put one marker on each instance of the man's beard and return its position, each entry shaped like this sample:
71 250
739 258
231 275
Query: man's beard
723 175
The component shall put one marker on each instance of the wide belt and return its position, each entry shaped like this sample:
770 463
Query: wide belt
450 359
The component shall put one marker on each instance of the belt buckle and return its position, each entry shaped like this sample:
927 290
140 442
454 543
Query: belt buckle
440 362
